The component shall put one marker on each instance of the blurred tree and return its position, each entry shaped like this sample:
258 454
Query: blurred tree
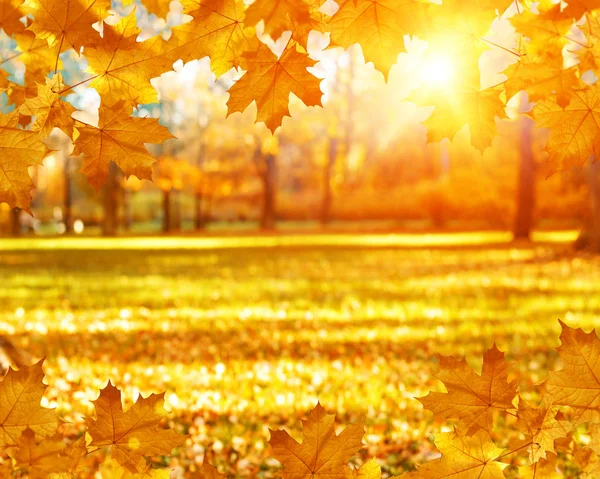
526 182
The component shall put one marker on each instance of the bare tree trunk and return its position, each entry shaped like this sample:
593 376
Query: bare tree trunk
269 179
326 198
526 189
111 202
594 182
166 207
199 216
127 213
68 198
15 222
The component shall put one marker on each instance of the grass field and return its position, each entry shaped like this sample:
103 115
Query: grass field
249 336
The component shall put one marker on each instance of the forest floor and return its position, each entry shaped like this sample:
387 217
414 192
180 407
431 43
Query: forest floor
249 336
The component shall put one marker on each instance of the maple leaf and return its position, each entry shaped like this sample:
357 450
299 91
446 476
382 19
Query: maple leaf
472 399
379 26
541 77
49 109
369 470
19 149
122 67
119 138
208 471
544 469
577 385
269 80
464 457
43 458
160 8
541 427
576 8
133 434
67 23
218 31
467 104
277 15
322 453
10 17
36 55
20 395
547 31
574 130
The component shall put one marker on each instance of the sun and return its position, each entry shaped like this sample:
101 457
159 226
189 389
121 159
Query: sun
437 71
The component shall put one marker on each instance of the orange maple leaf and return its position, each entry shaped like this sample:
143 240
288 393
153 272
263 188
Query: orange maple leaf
19 149
218 31
472 399
574 130
119 138
49 108
464 457
269 80
277 15
208 471
322 453
379 26
541 427
20 395
133 434
369 470
577 385
10 17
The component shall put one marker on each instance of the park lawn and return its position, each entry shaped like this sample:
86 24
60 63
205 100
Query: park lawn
249 336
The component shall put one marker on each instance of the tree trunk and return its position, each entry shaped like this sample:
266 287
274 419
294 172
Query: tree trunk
111 202
269 179
199 216
166 207
326 198
127 213
594 182
68 199
15 222
176 210
526 188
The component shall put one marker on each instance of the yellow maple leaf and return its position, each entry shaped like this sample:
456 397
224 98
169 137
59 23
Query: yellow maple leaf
158 7
379 26
574 130
119 138
19 149
464 457
369 470
541 427
20 395
49 108
218 31
322 453
472 399
67 23
10 17
277 15
41 459
544 469
269 80
132 434
37 56
577 384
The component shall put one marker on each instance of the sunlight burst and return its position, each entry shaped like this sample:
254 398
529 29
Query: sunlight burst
437 71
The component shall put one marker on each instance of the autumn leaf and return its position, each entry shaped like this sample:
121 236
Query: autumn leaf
540 426
379 26
218 31
577 384
544 469
41 459
472 399
160 8
119 138
50 110
541 77
10 17
269 80
208 471
464 457
369 470
67 23
132 434
574 130
36 55
277 15
322 453
19 149
20 395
